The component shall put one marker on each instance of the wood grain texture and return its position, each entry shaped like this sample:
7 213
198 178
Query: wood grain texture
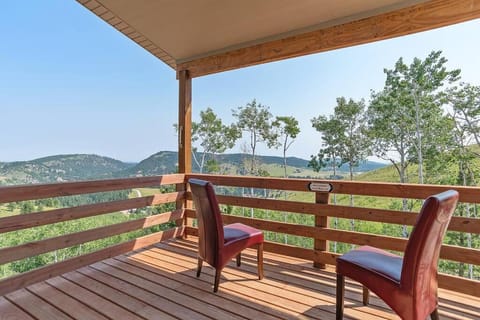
34 305
448 252
461 224
395 190
421 17
458 284
184 133
159 282
9 311
339 211
184 122
321 245
40 191
64 303
36 219
34 248
22 280
109 308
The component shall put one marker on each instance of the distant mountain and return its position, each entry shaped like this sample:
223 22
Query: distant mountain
165 162
365 166
60 168
76 167
237 159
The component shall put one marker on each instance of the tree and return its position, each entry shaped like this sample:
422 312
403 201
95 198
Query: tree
465 101
465 116
353 144
256 120
390 130
213 137
406 120
331 130
288 130
344 139
418 90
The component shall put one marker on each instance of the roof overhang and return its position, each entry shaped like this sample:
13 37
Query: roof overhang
209 36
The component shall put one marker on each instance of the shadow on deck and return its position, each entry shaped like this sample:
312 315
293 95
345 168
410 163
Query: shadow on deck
159 283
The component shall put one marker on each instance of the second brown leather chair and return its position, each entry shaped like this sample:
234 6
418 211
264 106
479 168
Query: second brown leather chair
218 244
407 284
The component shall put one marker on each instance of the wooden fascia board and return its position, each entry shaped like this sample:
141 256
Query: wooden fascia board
421 17
104 13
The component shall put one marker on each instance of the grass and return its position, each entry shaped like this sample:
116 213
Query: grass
144 192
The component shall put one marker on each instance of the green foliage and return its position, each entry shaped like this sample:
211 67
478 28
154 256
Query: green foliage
255 119
406 120
27 207
288 130
213 137
43 232
332 132
61 168
344 138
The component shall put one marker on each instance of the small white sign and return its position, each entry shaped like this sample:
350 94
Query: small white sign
320 187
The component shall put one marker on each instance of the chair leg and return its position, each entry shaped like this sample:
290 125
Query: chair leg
340 296
239 259
260 261
366 296
434 314
199 267
218 272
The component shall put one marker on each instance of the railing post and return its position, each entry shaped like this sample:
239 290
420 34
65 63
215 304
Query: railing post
184 134
322 222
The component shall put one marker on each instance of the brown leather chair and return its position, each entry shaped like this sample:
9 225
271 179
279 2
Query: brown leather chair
218 244
409 284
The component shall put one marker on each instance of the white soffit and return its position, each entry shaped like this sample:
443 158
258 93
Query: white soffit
177 31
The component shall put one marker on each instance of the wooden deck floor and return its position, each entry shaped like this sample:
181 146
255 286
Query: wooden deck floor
160 283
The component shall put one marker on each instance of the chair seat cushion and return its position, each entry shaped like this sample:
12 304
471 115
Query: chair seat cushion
239 231
370 259
237 237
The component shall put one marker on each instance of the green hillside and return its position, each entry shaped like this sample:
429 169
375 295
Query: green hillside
165 162
84 167
60 168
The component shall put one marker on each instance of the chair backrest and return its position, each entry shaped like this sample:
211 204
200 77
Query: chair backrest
210 225
420 263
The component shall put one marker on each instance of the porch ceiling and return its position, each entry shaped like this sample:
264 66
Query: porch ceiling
187 34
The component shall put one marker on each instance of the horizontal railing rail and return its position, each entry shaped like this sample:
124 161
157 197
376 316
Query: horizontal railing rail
322 233
21 222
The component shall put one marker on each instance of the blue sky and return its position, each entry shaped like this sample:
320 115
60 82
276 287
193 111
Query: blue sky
70 83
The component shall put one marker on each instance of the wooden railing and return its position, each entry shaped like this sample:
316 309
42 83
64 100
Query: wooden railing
322 210
31 249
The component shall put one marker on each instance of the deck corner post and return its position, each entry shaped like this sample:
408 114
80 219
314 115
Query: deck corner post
320 222
184 137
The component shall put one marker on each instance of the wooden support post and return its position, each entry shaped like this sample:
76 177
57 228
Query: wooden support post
321 221
184 134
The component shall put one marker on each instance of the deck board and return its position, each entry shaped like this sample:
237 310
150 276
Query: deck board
9 311
160 283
